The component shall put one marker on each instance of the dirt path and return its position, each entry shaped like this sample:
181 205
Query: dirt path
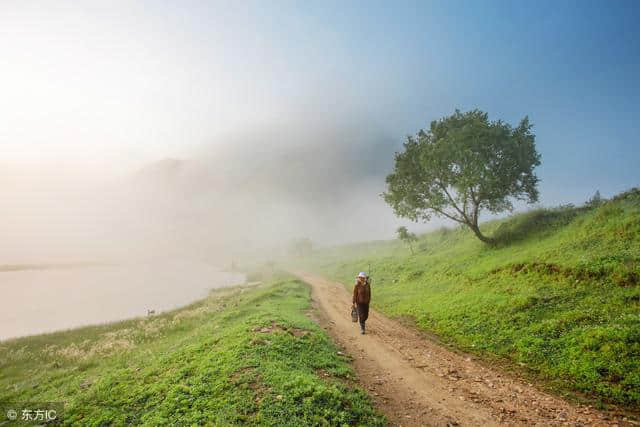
416 381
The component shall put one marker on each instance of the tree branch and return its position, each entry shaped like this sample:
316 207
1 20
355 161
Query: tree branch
464 206
444 188
451 217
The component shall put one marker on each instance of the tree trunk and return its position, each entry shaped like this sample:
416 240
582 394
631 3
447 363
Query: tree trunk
479 235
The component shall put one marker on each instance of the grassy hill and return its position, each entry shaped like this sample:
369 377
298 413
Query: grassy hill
558 298
246 355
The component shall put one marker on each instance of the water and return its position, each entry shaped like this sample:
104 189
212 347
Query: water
36 301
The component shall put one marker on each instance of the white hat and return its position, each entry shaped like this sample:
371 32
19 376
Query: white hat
362 274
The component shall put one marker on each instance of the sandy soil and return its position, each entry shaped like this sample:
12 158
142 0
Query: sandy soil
417 382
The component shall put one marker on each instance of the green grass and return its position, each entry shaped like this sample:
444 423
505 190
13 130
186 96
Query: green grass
558 298
249 355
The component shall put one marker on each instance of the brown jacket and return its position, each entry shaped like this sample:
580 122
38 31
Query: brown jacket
362 293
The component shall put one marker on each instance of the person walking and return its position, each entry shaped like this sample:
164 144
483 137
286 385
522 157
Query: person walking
361 298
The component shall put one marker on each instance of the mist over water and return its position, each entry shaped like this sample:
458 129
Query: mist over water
45 300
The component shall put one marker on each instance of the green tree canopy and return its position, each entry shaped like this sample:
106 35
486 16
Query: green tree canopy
462 165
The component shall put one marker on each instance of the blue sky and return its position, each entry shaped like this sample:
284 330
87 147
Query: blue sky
573 67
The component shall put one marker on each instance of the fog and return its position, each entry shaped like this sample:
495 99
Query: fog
83 246
148 131
253 190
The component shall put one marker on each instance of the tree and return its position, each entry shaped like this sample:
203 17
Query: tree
595 201
405 236
462 165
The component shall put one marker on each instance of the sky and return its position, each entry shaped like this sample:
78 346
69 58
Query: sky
94 91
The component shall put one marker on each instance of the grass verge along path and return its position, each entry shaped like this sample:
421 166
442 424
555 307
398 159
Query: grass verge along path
245 355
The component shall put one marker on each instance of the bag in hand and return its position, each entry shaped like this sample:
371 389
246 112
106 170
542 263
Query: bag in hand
354 314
